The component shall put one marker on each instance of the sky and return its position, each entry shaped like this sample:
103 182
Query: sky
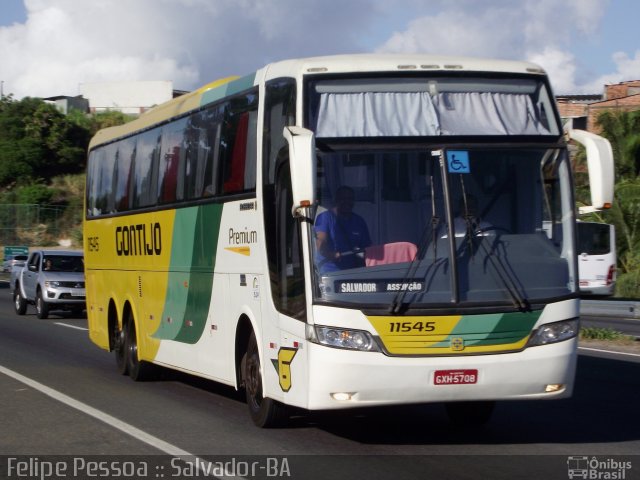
50 47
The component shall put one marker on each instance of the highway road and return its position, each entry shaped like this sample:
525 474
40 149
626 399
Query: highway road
61 395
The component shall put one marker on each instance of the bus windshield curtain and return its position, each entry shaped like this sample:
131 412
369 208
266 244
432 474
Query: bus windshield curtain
392 114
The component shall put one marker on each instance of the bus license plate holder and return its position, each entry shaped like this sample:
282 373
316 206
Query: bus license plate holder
455 377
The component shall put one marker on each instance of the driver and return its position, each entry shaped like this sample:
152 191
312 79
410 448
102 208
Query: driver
341 234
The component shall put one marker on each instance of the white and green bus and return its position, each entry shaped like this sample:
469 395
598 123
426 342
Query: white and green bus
347 231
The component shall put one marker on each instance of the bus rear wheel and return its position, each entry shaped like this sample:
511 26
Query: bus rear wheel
120 349
265 412
470 414
139 370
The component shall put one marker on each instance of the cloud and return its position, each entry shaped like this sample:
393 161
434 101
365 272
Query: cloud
542 31
64 42
560 66
458 32
627 68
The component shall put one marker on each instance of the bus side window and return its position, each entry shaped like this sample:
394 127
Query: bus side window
145 169
288 278
238 144
126 152
193 174
93 181
235 164
281 231
171 162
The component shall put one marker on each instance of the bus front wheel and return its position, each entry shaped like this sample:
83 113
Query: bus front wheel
265 412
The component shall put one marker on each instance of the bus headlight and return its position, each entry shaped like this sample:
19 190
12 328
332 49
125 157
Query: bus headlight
554 332
342 338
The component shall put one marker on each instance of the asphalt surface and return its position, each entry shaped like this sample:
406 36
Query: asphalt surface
75 404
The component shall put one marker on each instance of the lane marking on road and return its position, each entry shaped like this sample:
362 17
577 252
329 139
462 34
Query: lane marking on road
608 351
98 414
168 448
71 326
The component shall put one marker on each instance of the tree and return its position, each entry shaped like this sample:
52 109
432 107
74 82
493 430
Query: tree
622 129
37 141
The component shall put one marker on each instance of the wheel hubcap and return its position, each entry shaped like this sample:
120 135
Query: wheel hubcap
254 387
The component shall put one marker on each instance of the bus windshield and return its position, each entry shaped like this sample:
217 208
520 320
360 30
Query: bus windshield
594 238
402 228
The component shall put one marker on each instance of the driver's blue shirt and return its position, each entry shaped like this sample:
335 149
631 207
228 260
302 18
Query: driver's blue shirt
345 233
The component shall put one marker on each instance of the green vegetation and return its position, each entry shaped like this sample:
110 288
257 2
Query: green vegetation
42 161
602 334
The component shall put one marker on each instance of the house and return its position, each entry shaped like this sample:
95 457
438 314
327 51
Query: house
583 110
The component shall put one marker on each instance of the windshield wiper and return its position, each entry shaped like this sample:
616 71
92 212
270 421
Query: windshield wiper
398 298
508 282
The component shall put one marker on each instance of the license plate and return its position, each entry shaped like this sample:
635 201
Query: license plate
455 377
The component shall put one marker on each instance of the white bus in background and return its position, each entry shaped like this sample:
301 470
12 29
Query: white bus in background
596 258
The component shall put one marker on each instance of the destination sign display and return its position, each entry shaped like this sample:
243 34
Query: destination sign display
378 286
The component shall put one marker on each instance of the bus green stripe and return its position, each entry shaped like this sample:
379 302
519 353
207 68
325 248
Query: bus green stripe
207 228
190 282
492 329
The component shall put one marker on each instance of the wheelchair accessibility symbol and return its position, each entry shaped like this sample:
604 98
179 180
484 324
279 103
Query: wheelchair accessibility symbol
458 161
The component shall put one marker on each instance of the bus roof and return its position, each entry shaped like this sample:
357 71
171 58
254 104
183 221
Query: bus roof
369 62
296 68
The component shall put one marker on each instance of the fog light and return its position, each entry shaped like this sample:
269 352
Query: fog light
342 396
554 387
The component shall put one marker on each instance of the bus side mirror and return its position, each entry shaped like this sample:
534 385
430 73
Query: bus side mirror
601 169
302 161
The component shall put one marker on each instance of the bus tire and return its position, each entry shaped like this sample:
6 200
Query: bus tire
467 414
42 307
120 349
139 370
265 412
19 302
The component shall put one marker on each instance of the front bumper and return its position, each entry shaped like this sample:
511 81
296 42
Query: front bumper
64 295
370 379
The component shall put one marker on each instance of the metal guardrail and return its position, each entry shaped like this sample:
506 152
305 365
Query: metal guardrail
610 308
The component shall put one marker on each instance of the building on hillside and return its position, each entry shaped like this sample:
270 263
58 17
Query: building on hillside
64 104
583 110
131 98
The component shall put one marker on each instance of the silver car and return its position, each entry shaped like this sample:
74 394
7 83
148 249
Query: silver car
51 280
